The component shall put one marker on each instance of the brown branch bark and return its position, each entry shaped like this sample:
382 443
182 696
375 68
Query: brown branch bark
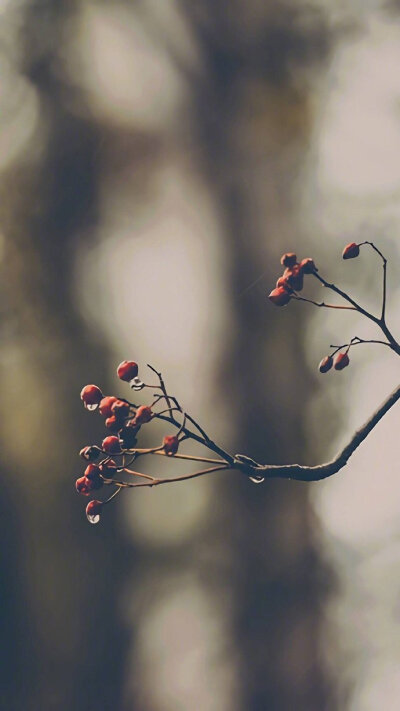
321 471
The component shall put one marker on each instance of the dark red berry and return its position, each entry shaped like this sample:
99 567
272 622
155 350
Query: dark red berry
83 486
282 282
127 370
113 423
294 277
351 250
106 405
90 453
92 471
288 259
91 396
143 415
341 361
111 445
307 266
325 364
279 296
120 408
171 444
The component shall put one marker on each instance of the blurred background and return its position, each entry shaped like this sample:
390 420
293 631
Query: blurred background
156 158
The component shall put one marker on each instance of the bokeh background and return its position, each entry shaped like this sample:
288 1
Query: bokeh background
156 158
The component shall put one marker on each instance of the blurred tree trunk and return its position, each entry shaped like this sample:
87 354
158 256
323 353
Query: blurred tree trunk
253 107
71 653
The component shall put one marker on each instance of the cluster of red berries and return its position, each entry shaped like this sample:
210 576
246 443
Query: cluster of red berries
292 279
124 420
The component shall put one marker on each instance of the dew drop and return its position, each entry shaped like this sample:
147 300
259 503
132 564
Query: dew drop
92 407
93 519
136 384
257 479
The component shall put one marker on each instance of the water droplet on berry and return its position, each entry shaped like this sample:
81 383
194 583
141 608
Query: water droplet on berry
136 383
257 479
93 519
92 407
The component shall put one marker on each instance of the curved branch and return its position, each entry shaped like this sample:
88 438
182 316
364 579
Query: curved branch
321 471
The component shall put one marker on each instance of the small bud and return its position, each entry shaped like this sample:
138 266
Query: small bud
106 405
289 259
325 364
350 251
111 445
171 444
90 453
279 296
307 266
127 370
341 361
294 277
143 415
91 396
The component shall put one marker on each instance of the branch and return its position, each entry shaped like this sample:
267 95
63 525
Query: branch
321 471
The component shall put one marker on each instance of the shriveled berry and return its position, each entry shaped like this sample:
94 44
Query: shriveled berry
279 296
341 361
143 415
171 444
294 277
325 364
90 453
108 469
91 395
127 370
120 408
106 405
307 266
127 437
111 445
351 250
83 486
288 259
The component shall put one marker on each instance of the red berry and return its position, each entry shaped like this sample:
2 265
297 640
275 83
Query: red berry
279 296
171 444
350 251
282 281
90 453
143 415
91 396
93 510
294 277
120 408
92 471
341 361
325 364
113 423
83 486
127 370
111 445
307 266
289 259
106 405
